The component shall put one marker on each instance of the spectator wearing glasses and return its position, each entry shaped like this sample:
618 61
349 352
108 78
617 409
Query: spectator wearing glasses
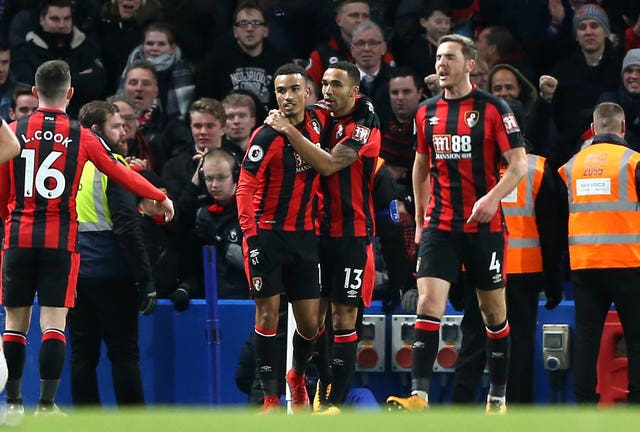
478 74
368 48
217 222
185 181
349 13
247 64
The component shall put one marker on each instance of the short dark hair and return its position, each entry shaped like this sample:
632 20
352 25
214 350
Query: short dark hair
46 4
53 79
436 5
352 70
502 38
341 4
19 91
290 69
142 64
96 112
248 4
406 71
469 50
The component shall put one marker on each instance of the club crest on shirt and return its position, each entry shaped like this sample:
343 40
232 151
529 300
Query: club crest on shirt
471 118
256 282
315 125
339 131
361 133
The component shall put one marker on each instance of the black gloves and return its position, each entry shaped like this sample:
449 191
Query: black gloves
257 259
181 298
390 299
147 298
554 294
410 301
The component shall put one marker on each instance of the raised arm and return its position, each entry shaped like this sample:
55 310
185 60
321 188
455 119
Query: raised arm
127 178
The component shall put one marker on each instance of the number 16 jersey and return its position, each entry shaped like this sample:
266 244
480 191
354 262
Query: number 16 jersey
38 188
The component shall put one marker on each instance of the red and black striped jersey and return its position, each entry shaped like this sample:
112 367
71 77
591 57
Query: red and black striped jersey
346 203
277 189
464 139
38 188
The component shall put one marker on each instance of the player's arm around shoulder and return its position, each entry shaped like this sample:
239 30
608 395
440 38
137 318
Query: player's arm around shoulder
9 144
323 162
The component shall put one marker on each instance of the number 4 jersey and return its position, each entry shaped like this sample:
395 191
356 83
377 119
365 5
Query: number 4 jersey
464 140
38 188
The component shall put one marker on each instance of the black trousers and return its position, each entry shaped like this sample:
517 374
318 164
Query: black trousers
522 311
594 291
106 310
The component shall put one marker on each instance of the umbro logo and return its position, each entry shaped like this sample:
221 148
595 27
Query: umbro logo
433 120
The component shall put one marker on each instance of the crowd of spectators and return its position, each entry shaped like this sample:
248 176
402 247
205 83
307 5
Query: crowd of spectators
189 77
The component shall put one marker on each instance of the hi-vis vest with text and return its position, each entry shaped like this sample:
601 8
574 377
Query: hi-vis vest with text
91 201
604 213
523 251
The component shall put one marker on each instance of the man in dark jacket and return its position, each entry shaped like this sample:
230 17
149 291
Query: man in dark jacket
57 38
583 75
248 64
628 97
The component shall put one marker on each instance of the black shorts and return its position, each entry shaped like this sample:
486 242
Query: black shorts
52 274
441 254
348 272
293 269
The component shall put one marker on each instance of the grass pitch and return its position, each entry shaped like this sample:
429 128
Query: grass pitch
443 418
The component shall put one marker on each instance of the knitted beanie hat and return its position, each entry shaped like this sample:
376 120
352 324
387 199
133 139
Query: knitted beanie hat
591 11
632 58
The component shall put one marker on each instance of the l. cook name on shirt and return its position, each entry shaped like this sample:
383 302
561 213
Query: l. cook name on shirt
40 135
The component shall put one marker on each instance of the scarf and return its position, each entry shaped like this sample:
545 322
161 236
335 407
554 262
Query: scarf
181 85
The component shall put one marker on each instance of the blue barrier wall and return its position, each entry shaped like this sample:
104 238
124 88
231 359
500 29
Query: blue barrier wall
175 360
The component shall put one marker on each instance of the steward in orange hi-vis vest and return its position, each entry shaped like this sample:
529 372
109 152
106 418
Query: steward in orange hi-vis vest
604 216
523 250
602 183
